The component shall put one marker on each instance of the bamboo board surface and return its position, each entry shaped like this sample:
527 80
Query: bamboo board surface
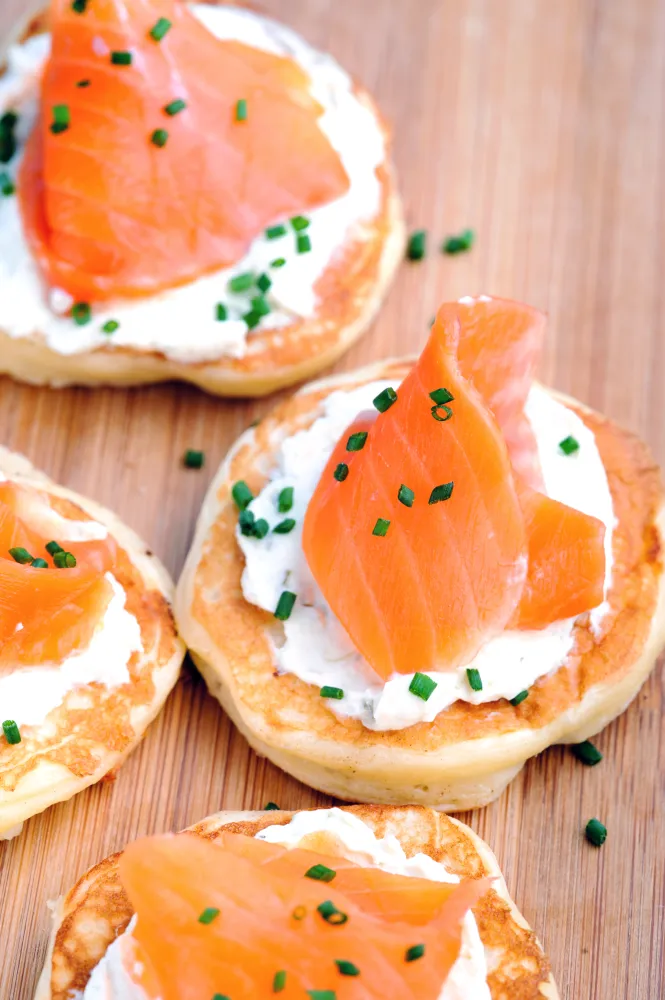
542 126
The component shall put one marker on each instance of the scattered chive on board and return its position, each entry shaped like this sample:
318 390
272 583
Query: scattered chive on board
193 459
159 29
519 698
440 493
587 753
285 605
241 494
159 137
11 731
346 968
321 873
381 527
422 686
208 915
110 326
595 832
460 243
303 243
81 313
406 495
341 472
356 442
474 679
241 282
284 527
279 981
327 691
414 952
241 110
121 58
569 445
175 107
274 232
285 500
385 399
417 245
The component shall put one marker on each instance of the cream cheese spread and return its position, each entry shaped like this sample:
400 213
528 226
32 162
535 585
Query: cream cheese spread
315 647
181 323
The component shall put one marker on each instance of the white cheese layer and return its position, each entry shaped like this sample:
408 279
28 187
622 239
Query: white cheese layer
112 980
181 323
315 647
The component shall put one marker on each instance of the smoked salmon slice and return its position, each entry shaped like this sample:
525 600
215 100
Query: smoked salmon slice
46 613
161 151
237 917
436 539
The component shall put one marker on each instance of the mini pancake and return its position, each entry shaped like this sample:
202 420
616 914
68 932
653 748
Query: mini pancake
95 728
349 294
469 753
89 917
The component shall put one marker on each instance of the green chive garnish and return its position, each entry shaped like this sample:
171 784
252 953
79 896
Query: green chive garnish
587 753
441 396
300 223
284 527
417 245
270 806
356 441
7 137
278 262
299 913
241 282
20 555
110 326
11 731
569 445
285 605
193 459
341 472
385 399
83 83
53 547
260 305
519 698
422 686
443 492
414 952
303 243
381 527
321 873
253 318
175 107
261 528
437 416
274 232
209 914
81 313
279 981
264 282
474 679
331 914
7 186
79 6
121 58
285 500
241 110
347 968
406 496
64 560
39 563
321 995
246 522
242 494
61 118
331 692
596 832
159 138
159 29
220 996
221 312
459 244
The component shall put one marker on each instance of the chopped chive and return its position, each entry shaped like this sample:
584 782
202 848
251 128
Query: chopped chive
246 523
285 500
406 495
596 832
7 186
303 243
83 83
356 442
474 679
159 29
61 118
347 968
321 873
241 494
7 137
274 232
299 913
220 996
519 698
53 547
193 459
446 409
11 731
264 282
39 563
321 995
81 313
221 312
569 445
175 107
64 560
253 318
260 305
110 326
241 110
121 58
284 527
385 399
341 472
441 396
58 127
269 806
285 605
208 915
279 981
443 492
422 686
331 692
381 527
241 282
300 223
331 914
459 244
414 952
159 137
278 262
20 555
417 245
587 753
79 6
261 528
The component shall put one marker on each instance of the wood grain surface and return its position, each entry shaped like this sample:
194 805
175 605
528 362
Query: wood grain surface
542 126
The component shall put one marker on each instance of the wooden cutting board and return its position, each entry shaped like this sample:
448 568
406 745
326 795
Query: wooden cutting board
542 126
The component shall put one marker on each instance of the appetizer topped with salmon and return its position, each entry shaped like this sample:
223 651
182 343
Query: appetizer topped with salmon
408 580
189 190
328 904
88 649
